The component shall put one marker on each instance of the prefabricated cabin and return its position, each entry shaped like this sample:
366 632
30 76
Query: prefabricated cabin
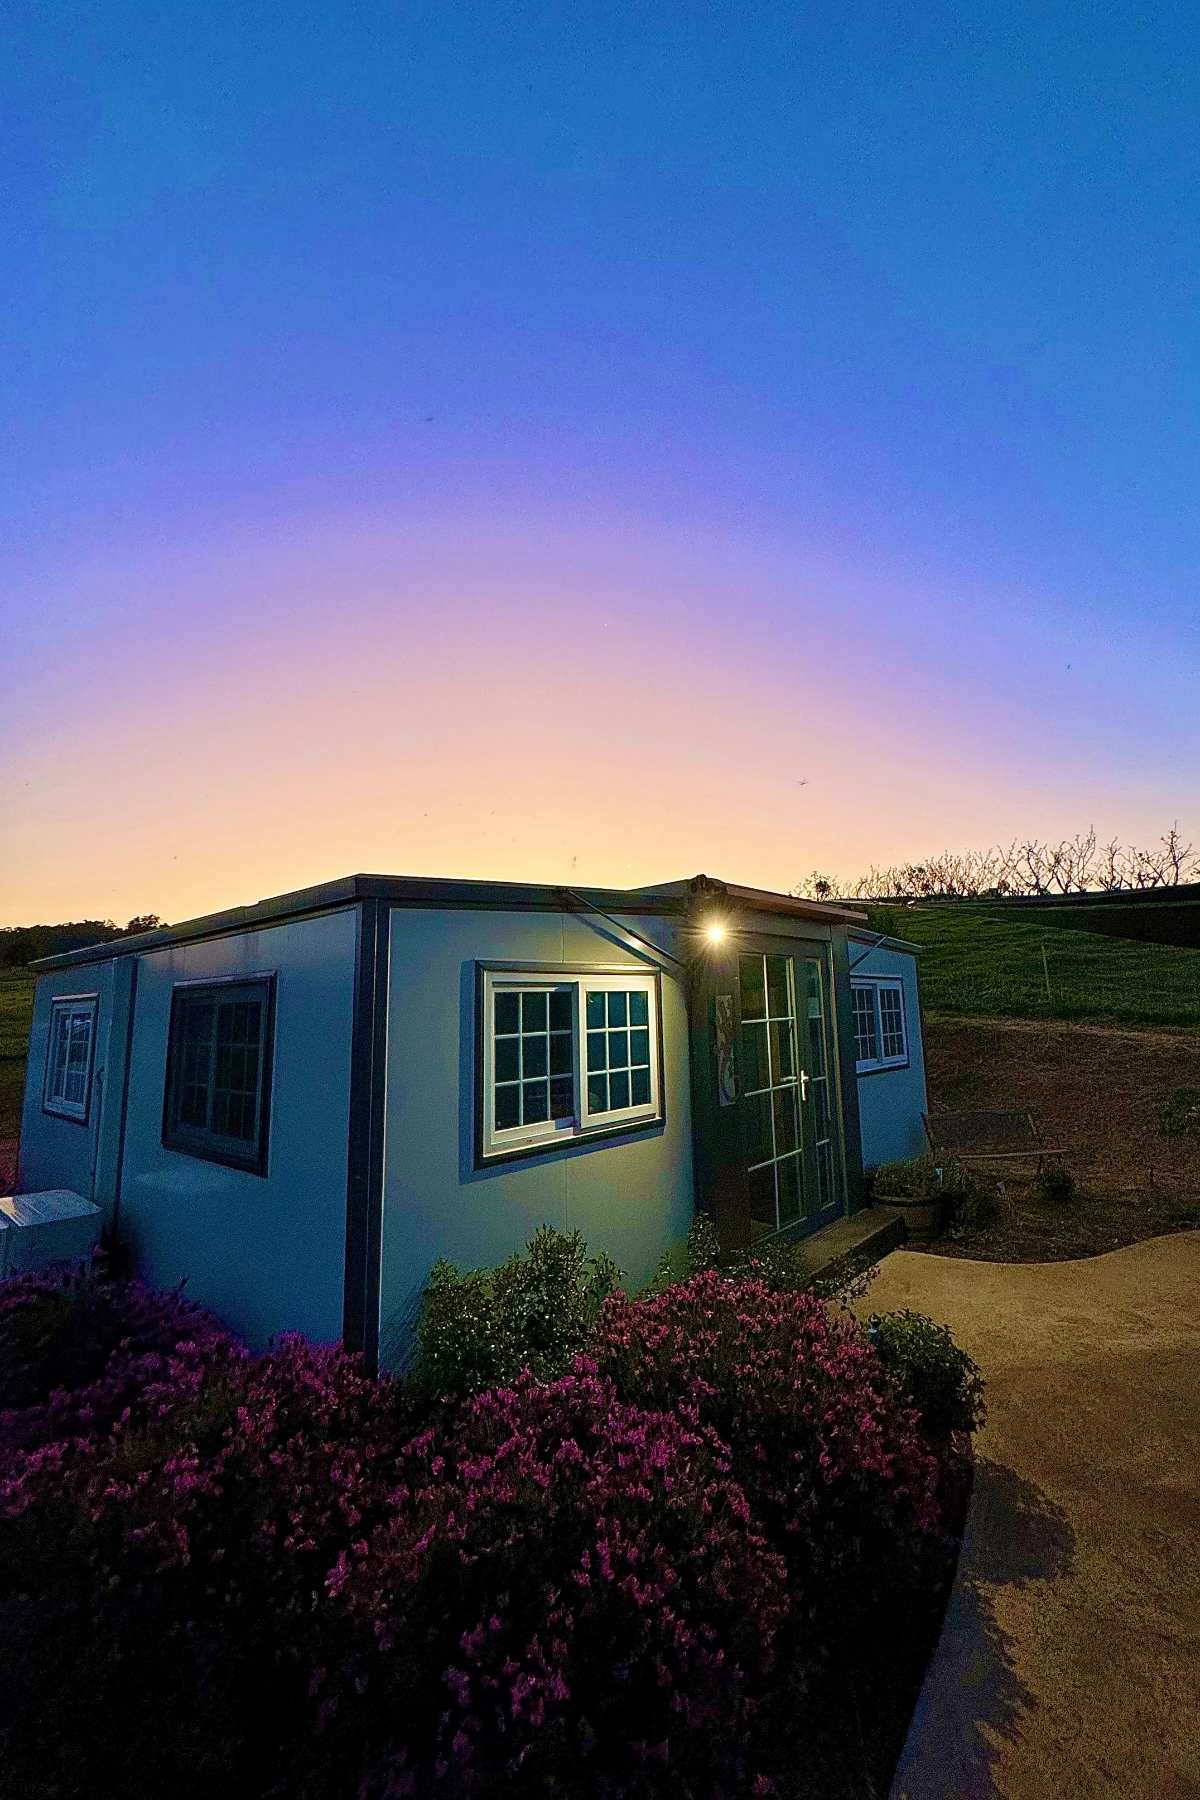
296 1107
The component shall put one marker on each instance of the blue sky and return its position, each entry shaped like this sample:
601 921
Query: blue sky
871 326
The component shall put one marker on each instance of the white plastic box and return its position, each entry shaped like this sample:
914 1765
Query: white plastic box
36 1229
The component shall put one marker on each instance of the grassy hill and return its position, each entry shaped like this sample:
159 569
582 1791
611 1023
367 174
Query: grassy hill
16 1005
991 963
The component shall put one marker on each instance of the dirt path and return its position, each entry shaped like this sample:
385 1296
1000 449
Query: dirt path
1069 1665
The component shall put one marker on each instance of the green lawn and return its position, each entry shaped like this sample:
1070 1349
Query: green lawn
16 1005
992 963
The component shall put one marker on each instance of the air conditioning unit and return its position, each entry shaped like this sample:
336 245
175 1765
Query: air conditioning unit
36 1229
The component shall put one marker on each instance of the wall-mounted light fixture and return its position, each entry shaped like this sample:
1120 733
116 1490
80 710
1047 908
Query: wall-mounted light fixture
715 931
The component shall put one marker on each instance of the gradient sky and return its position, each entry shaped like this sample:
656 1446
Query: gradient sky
589 442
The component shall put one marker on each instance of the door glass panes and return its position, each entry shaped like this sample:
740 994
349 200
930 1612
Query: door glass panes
617 1049
771 1105
533 1057
819 1101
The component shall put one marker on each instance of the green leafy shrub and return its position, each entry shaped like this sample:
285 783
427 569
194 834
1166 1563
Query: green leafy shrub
979 1208
536 1311
703 1245
1054 1184
1179 1114
934 1374
927 1177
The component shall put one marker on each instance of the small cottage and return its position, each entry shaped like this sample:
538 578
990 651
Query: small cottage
297 1107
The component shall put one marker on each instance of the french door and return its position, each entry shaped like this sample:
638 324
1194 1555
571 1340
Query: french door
789 1116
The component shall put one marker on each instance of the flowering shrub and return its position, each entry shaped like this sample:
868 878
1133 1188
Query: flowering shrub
570 1594
279 1576
176 1570
552 1586
79 1353
834 1467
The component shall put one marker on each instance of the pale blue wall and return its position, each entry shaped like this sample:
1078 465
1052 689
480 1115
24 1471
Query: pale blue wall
265 1252
891 1101
57 1152
630 1196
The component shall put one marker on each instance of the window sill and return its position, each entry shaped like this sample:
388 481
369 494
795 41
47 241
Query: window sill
883 1068
576 1140
245 1165
59 1112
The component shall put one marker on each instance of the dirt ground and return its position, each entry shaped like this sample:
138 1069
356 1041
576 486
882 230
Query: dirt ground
1096 1088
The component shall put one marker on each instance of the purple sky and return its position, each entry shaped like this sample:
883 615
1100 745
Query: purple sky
593 443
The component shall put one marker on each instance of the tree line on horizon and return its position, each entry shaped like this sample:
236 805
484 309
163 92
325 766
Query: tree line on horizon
1027 868
22 944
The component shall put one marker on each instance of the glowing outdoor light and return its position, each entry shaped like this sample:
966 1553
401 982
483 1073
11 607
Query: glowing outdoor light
716 931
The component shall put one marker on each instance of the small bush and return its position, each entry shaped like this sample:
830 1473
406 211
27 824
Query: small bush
1054 1184
536 1311
979 1208
1179 1114
934 1374
703 1245
930 1176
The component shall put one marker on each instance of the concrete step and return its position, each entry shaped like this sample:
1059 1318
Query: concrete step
854 1242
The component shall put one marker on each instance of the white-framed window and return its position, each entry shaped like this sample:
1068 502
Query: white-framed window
68 1089
565 1054
880 1028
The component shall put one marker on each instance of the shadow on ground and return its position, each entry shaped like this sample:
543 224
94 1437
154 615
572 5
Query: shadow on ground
1015 1536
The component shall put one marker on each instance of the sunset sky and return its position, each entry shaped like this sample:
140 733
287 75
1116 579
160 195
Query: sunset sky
594 443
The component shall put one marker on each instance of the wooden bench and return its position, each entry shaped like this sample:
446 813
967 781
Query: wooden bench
991 1137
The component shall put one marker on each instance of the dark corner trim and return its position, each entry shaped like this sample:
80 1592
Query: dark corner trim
364 1163
123 1117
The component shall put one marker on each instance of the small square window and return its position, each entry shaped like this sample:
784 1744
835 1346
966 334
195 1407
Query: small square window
880 1031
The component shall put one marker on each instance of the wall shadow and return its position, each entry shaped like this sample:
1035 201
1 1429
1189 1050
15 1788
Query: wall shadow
973 1700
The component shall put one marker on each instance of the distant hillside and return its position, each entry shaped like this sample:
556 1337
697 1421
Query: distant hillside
16 1009
991 962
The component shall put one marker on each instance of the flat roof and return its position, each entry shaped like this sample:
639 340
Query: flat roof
886 942
671 898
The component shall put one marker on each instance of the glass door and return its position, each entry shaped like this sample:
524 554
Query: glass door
789 1129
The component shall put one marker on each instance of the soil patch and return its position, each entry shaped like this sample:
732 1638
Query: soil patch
1095 1087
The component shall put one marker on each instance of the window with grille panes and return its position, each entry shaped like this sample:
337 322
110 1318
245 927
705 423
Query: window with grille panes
219 1072
880 1027
565 1055
67 1090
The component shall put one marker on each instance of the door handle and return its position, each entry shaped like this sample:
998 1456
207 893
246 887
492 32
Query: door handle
805 1078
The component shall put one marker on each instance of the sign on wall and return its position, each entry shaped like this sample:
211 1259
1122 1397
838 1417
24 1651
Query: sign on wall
725 1035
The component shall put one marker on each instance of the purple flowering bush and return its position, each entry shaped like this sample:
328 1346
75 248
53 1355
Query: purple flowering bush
280 1576
834 1466
568 1597
79 1353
